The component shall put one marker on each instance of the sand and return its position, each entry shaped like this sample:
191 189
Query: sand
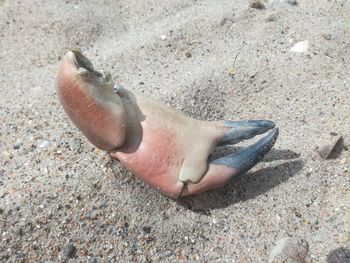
63 200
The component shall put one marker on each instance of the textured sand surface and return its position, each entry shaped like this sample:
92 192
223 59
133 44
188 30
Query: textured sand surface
61 199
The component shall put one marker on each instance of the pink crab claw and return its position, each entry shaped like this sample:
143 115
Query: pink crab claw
163 147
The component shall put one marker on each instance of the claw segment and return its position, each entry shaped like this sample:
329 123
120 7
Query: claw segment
246 158
243 130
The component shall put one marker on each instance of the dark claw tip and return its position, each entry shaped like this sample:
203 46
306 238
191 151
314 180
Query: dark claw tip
244 130
246 158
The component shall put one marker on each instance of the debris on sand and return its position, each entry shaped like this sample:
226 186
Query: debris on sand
188 54
327 36
301 47
257 4
232 71
325 150
276 2
289 249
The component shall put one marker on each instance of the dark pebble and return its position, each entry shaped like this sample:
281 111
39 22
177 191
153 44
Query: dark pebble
16 146
103 205
70 250
223 21
292 2
19 232
188 54
258 4
146 229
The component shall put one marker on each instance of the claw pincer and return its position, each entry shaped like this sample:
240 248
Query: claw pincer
163 147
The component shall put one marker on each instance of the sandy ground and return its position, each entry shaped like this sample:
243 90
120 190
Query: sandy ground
61 199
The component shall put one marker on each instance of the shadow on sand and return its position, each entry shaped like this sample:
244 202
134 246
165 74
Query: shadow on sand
339 255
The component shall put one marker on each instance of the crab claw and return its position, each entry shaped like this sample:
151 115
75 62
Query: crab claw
163 147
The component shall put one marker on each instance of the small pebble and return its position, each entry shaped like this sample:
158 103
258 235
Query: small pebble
257 4
325 150
289 249
327 36
276 2
70 250
224 21
301 47
271 18
43 144
19 232
16 146
232 71
146 229
163 37
188 54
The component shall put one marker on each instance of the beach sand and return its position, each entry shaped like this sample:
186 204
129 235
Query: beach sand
61 199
